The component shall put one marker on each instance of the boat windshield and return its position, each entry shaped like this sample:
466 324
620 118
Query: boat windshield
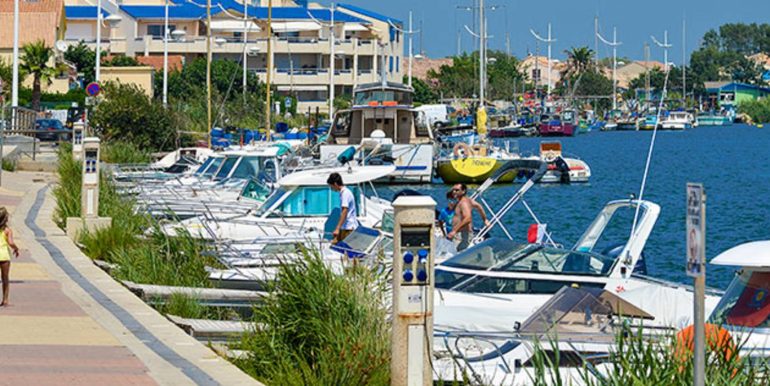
256 167
214 166
746 303
227 166
204 165
502 255
271 200
255 190
568 115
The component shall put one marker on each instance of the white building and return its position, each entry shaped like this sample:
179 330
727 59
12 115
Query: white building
364 40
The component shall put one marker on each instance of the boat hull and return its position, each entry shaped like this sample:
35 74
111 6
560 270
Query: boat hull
563 130
471 170
714 121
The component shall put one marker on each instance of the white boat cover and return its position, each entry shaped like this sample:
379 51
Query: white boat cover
753 254
350 176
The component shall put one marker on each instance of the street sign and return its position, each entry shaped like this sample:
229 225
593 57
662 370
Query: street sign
696 230
93 89
287 103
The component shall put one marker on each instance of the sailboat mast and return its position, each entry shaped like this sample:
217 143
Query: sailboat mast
208 70
684 62
268 110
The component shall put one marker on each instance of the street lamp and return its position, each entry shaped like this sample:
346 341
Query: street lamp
112 21
665 45
548 40
410 32
614 44
177 35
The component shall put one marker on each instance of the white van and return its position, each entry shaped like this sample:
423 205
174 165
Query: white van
436 115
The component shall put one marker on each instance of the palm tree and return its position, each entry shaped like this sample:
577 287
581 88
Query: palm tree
35 61
579 60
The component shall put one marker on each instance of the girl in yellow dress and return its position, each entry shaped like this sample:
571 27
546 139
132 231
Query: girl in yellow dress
7 247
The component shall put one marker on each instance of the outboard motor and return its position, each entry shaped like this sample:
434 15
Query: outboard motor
563 167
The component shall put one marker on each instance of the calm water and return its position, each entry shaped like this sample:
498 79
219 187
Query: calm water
732 162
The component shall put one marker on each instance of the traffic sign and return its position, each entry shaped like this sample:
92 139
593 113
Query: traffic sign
93 89
696 230
287 102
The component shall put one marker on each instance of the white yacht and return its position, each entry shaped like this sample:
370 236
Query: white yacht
676 120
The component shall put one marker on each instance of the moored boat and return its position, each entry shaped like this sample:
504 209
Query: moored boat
563 124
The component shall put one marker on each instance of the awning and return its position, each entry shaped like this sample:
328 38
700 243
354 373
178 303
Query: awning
302 88
233 25
295 26
355 27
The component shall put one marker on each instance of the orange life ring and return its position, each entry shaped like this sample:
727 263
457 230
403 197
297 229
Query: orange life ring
467 151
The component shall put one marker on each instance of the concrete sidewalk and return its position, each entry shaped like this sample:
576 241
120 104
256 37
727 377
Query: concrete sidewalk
70 323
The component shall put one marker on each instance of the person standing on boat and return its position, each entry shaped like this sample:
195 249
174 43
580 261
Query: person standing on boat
348 221
447 215
462 223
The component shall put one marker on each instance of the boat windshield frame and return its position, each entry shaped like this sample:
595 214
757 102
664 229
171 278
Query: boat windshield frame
205 165
272 201
536 258
216 164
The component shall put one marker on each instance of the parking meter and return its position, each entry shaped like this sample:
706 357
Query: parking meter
78 131
413 283
90 188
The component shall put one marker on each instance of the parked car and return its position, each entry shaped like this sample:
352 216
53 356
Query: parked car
54 130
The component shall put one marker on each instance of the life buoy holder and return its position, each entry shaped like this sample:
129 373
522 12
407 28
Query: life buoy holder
467 151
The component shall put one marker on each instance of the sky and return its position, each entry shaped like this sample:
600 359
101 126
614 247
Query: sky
572 23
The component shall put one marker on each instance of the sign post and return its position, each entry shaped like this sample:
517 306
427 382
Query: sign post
696 268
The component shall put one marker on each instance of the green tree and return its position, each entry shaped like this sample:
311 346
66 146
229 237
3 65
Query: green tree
423 92
35 61
579 61
6 77
84 60
127 114
504 77
460 79
121 61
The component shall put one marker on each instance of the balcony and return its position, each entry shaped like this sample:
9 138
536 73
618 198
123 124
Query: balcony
232 45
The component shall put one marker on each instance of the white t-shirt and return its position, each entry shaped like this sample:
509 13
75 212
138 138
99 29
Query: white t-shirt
348 201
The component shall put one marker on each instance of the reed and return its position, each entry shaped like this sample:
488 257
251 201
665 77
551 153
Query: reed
320 327
121 152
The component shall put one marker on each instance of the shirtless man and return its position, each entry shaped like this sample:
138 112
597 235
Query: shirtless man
462 223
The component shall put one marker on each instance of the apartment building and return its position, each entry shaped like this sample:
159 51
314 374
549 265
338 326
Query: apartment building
366 42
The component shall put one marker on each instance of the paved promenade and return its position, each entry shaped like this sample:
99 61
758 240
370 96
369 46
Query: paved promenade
70 323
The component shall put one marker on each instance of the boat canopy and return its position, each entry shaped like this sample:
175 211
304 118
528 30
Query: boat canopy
746 303
754 254
350 176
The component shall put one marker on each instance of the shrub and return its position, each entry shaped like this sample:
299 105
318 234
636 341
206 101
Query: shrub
127 114
320 328
120 152
758 110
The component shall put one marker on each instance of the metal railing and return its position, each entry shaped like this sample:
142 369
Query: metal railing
22 121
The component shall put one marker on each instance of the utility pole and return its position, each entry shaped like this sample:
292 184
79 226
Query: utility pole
411 33
614 44
165 55
245 49
208 70
15 76
549 41
596 40
647 72
268 111
684 62
98 65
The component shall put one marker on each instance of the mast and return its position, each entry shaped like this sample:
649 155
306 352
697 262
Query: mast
684 63
482 53
614 44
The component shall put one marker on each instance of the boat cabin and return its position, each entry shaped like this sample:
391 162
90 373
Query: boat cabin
387 108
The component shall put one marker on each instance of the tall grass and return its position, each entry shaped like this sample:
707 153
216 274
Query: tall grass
121 152
320 328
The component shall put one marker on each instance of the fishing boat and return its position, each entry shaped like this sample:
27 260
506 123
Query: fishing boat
629 121
676 120
611 123
563 124
385 108
711 118
649 122
588 122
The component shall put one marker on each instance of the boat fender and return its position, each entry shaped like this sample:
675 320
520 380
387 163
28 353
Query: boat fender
467 151
718 340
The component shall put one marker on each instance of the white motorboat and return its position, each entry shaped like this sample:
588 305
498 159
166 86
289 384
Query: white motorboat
676 120
560 167
302 205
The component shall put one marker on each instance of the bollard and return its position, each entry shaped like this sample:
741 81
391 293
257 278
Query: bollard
78 130
413 283
89 193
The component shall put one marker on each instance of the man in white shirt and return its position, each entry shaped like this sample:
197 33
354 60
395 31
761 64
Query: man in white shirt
348 221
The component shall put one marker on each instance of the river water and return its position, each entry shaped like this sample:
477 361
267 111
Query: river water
732 162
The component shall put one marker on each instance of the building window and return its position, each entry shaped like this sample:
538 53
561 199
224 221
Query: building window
156 30
536 75
390 64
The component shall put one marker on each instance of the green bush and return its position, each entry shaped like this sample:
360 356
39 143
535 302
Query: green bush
127 114
120 152
67 191
320 328
758 110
